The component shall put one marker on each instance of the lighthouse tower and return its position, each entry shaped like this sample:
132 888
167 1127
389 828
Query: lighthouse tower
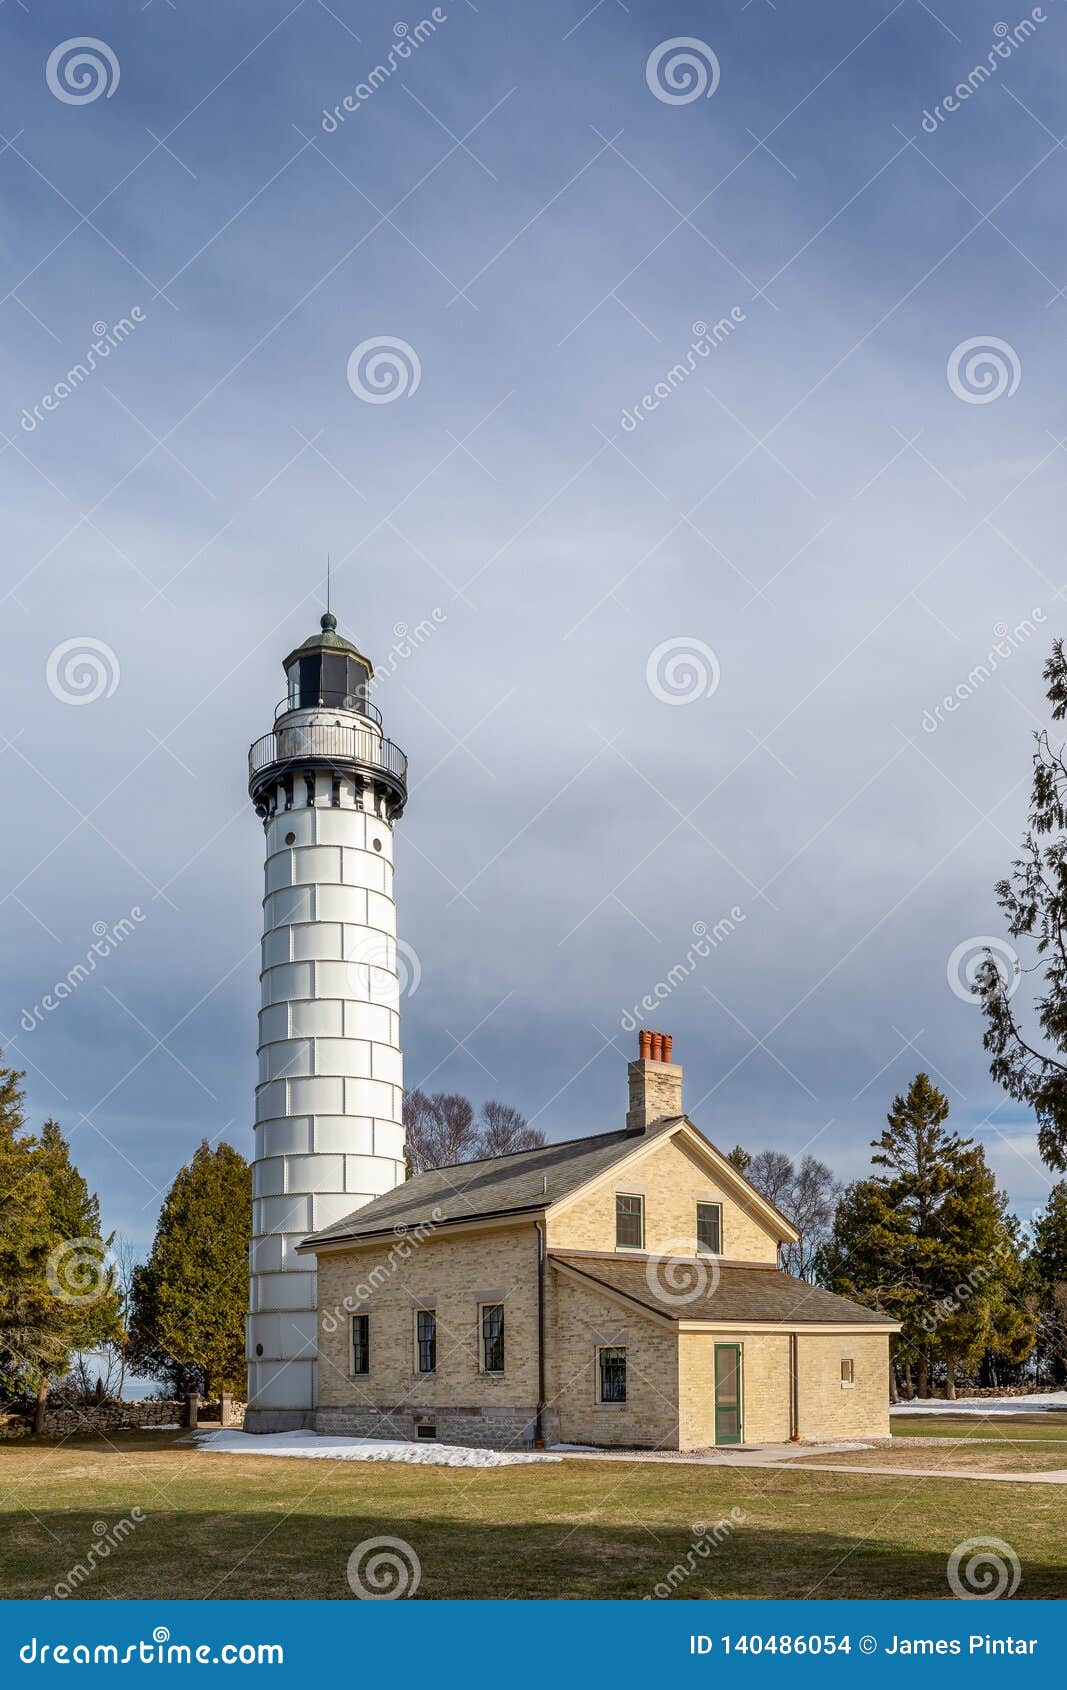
329 1133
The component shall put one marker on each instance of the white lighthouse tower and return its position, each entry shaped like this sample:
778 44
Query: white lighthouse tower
329 1133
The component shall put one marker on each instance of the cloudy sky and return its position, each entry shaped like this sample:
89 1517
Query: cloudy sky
682 642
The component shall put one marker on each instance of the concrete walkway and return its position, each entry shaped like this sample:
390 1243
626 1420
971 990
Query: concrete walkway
765 1455
1057 1476
783 1456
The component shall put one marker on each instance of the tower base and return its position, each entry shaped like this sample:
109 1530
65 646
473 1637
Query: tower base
279 1420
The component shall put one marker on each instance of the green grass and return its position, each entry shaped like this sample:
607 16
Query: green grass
252 1526
1047 1427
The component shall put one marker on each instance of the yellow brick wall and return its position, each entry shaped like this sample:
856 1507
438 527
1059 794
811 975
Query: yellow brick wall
827 1410
672 1182
764 1386
454 1272
578 1320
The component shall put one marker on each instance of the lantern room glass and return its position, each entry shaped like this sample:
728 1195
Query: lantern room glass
329 679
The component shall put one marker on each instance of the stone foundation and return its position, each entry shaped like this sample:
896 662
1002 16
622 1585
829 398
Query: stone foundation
471 1428
279 1420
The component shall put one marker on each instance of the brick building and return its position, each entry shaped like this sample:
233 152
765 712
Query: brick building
620 1290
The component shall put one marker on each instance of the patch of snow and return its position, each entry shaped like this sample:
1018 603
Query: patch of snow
309 1446
170 1426
1035 1402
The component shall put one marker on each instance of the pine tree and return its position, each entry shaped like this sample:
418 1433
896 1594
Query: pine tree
191 1296
1030 1060
57 1291
1048 1262
929 1239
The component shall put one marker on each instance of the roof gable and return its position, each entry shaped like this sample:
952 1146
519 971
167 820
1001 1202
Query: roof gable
531 1182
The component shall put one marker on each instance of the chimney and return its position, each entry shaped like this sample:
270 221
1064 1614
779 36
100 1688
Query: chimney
655 1081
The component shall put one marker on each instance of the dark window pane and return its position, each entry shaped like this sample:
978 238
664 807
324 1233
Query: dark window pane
493 1337
629 1222
426 1328
613 1375
310 670
709 1227
334 678
356 685
360 1343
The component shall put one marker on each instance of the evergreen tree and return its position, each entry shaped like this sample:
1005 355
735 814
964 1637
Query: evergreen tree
1032 1065
1048 1262
57 1291
929 1239
191 1297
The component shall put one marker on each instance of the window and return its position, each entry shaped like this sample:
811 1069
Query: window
612 1364
492 1337
848 1372
709 1228
426 1340
361 1343
629 1223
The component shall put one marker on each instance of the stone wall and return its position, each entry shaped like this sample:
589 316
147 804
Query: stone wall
105 1417
477 1426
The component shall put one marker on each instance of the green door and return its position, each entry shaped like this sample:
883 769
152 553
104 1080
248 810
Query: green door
727 1393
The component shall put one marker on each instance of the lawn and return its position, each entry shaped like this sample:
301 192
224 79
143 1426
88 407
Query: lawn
979 1455
1047 1427
248 1526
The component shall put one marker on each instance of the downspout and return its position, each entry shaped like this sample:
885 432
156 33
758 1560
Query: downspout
539 1430
794 1389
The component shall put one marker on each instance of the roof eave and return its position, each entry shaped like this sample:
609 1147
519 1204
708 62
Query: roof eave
316 1242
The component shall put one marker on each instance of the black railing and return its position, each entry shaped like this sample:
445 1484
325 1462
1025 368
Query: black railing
340 747
331 701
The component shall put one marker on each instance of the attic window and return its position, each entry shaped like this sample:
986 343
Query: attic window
709 1228
629 1222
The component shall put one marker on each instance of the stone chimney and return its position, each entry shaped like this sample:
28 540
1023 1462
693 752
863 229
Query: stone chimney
655 1082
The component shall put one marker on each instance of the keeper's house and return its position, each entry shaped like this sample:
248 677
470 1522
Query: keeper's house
618 1290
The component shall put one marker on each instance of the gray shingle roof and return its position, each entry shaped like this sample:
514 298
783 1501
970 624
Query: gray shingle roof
527 1179
739 1291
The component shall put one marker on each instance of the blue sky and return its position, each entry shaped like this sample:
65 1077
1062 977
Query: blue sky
817 504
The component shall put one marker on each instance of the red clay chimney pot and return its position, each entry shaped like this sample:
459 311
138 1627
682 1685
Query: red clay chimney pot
657 1047
644 1044
668 1046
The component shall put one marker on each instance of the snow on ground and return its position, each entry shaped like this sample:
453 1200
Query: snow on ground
310 1446
984 1405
